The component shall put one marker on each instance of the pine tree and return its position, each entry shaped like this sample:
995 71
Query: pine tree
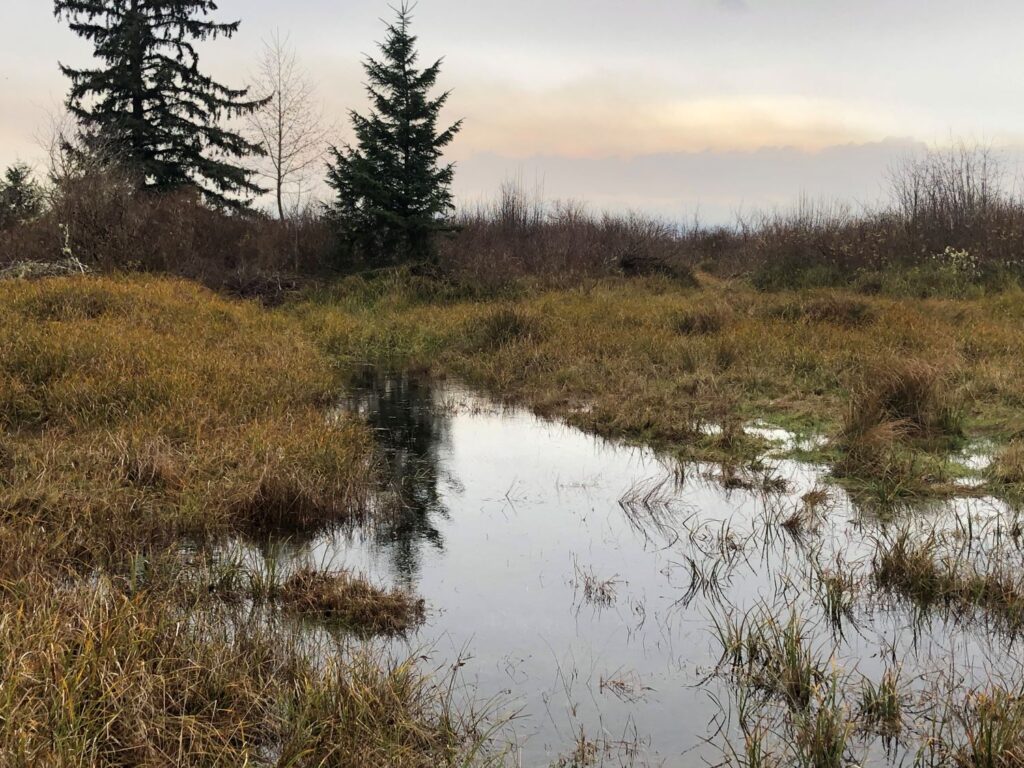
392 191
150 104
21 199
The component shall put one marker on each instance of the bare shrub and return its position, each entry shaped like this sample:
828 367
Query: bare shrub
952 223
519 236
96 214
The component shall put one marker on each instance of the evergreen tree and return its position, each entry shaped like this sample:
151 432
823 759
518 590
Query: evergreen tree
392 191
21 199
150 104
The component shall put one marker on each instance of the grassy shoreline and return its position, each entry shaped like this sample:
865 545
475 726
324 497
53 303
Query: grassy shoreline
685 369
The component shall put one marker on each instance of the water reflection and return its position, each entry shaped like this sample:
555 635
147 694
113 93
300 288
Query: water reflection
588 580
412 433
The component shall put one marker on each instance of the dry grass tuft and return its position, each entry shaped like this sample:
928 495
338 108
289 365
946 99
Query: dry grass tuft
912 398
505 326
1007 469
352 601
896 408
835 309
700 322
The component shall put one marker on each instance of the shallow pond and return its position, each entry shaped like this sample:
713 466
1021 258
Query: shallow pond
584 584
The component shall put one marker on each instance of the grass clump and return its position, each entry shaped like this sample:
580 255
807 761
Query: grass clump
881 705
822 733
898 409
699 322
1007 470
771 656
836 309
505 326
913 397
919 571
993 730
351 601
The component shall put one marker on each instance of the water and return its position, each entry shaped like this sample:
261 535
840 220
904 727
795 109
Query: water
580 581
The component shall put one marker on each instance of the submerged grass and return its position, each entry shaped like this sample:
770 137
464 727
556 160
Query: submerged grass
922 570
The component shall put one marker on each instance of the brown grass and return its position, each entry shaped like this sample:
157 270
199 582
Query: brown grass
1007 469
94 677
919 571
144 423
147 410
898 405
608 356
352 601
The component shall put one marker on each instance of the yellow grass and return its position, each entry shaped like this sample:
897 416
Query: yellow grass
649 361
141 416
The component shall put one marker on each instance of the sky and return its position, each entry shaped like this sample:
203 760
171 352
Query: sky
681 108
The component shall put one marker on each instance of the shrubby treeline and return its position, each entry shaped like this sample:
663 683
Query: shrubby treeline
149 177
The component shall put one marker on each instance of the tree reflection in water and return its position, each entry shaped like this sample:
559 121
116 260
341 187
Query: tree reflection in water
412 431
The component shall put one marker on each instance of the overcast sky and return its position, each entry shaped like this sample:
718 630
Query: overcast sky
666 105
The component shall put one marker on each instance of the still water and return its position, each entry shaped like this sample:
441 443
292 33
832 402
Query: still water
579 581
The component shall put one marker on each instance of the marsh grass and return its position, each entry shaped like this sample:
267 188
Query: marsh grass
993 730
96 677
701 322
837 309
933 576
881 706
839 589
899 407
643 360
1007 469
822 732
165 412
146 422
505 326
351 601
771 655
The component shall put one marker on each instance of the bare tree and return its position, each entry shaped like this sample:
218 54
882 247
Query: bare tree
291 126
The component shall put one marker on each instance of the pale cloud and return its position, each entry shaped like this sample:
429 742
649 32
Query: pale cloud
733 6
619 116
579 90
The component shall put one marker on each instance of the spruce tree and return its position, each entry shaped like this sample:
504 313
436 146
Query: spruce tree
21 199
392 191
148 102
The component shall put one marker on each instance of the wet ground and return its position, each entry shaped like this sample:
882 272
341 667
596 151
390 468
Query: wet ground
584 585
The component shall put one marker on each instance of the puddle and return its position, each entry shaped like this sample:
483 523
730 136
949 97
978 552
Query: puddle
580 581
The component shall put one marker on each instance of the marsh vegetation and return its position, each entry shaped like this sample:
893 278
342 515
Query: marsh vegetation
190 477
